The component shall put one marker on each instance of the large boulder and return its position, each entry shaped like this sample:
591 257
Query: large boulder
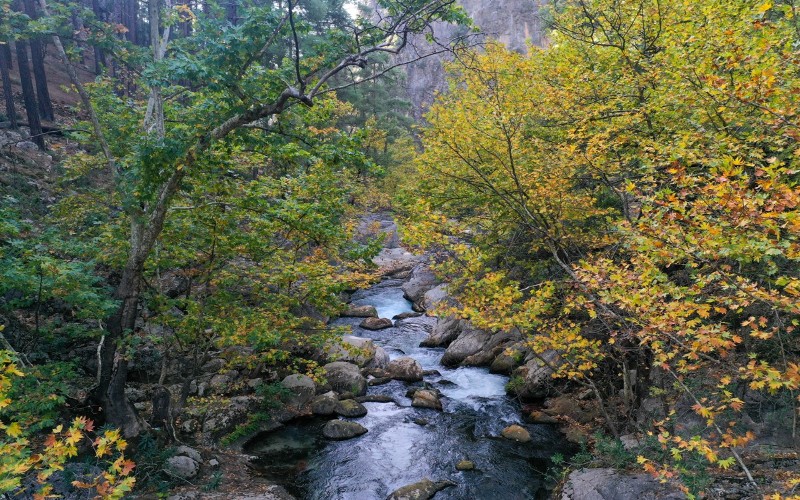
324 404
380 359
343 429
493 348
357 350
300 387
534 379
468 343
365 311
609 484
421 490
182 467
511 357
405 368
434 296
516 433
376 323
422 279
350 409
444 332
345 377
425 398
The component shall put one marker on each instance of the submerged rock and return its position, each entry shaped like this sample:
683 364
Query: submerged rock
350 408
608 484
465 465
405 368
376 323
422 490
343 429
516 433
345 377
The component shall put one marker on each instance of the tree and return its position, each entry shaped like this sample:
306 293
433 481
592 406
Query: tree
37 62
236 84
641 217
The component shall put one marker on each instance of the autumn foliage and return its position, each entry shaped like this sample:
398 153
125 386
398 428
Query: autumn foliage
629 197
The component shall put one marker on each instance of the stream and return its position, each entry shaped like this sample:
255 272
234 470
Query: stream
398 450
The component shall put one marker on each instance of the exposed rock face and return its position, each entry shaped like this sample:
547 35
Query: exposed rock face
516 433
345 377
376 323
342 429
301 387
513 22
422 490
434 296
406 369
608 484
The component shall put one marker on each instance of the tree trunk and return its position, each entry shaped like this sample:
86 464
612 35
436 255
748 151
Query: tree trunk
99 55
132 20
44 103
28 94
5 48
7 90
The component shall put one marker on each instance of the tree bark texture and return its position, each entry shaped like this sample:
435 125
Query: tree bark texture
43 100
28 94
8 94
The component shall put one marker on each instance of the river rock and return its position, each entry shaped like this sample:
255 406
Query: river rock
301 387
422 279
444 332
468 343
405 368
535 377
516 433
376 323
345 377
350 408
378 381
182 467
406 315
186 451
425 398
380 359
609 484
465 465
343 429
324 404
422 490
365 311
435 296
492 348
375 398
510 358
358 350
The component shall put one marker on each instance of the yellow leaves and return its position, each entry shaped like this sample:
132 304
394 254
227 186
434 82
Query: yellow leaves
764 7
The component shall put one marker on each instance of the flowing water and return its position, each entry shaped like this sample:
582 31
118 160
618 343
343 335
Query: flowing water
399 449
